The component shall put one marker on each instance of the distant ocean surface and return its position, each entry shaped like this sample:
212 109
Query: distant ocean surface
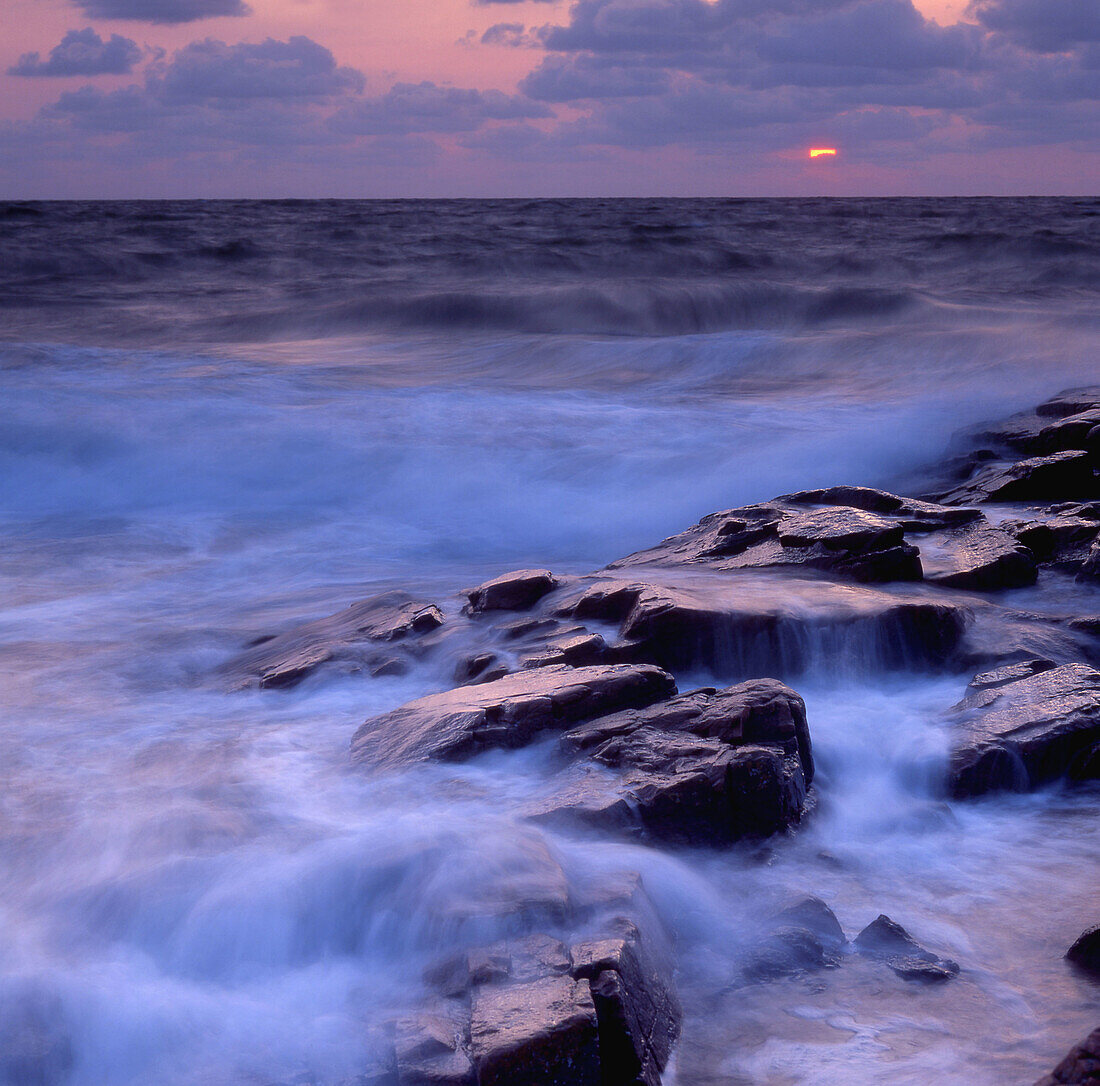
221 418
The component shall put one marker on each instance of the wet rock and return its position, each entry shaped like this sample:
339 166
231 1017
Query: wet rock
479 667
812 914
997 637
709 766
577 649
543 1032
1070 402
430 1048
389 665
507 712
756 626
912 514
839 529
1010 673
1060 476
977 557
637 1009
1060 540
888 941
1090 568
1085 952
1081 1067
1021 734
785 952
516 591
350 638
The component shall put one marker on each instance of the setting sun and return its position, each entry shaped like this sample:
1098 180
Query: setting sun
817 152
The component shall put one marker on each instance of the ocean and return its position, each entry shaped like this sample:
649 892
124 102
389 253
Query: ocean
220 419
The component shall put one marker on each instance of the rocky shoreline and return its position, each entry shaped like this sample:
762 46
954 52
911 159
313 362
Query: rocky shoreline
835 577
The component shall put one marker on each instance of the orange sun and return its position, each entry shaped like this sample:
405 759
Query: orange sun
817 152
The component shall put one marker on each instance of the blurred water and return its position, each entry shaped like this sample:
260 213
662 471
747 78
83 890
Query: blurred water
220 419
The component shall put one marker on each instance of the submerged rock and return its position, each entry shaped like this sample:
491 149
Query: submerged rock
508 712
353 638
888 941
1081 1067
1026 732
978 557
814 915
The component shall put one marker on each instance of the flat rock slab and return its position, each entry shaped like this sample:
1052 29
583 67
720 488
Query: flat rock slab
1019 735
508 712
515 591
977 557
1061 476
364 634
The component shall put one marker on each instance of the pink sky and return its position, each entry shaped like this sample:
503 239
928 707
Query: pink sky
968 103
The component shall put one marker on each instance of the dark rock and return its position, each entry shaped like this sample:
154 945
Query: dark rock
977 557
1090 568
761 625
1061 540
1060 476
913 515
709 766
350 637
814 915
1070 432
512 592
888 941
577 649
1071 402
508 712
544 1032
479 667
1021 734
1081 1067
786 952
1085 952
637 1008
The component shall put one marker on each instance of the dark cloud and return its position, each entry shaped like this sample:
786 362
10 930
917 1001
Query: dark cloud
1049 26
296 68
515 35
428 107
571 78
492 3
162 11
82 52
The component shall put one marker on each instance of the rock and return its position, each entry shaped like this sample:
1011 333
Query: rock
1021 734
1090 568
516 591
543 1032
1060 476
888 941
1010 673
1060 539
977 557
430 1048
479 667
1070 402
709 766
1085 952
840 529
1070 432
577 649
350 637
637 1008
814 915
786 952
756 624
507 712
1081 1067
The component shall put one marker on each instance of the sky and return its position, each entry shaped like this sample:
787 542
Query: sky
384 98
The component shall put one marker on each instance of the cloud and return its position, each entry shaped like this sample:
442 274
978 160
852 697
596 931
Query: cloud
514 35
428 107
296 68
1049 26
82 52
570 78
491 3
162 11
